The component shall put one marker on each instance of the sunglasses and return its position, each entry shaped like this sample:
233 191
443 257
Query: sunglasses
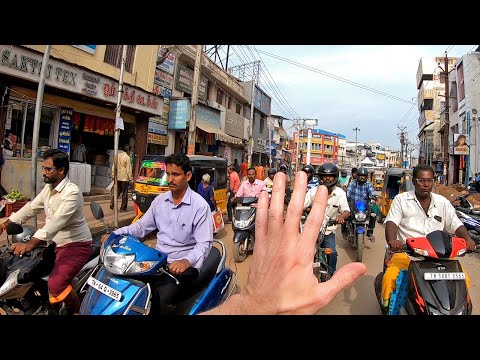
425 181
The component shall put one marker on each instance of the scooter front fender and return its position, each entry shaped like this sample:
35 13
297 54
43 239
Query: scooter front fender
240 235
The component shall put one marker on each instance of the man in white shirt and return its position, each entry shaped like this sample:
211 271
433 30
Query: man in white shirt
124 177
65 225
417 213
337 208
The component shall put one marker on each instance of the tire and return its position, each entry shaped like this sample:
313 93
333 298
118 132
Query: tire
360 245
239 252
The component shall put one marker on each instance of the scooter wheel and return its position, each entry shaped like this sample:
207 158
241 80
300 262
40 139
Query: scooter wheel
239 252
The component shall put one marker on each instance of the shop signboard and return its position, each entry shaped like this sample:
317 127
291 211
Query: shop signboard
65 129
179 114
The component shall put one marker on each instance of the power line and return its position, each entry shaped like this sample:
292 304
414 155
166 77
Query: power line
335 77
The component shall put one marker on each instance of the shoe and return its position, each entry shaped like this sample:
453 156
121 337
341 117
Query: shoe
123 210
372 238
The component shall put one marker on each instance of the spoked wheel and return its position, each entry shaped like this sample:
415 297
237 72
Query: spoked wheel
239 252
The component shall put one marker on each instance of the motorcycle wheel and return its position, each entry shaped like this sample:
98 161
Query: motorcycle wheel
360 245
239 252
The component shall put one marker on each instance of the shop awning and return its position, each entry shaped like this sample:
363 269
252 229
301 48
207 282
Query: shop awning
282 133
219 134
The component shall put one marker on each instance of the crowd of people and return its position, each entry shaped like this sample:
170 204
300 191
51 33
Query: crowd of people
185 234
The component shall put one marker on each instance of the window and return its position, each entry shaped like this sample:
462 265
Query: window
113 56
262 125
229 103
14 130
461 82
220 96
238 108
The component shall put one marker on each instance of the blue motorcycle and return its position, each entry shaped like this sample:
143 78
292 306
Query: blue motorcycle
120 285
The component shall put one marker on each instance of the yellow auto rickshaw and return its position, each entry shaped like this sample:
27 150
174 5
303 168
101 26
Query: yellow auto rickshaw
152 180
396 181
378 177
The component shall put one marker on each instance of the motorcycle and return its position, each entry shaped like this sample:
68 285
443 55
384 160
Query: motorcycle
321 256
120 284
469 216
357 225
244 227
435 283
24 280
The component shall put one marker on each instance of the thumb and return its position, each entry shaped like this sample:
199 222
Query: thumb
343 279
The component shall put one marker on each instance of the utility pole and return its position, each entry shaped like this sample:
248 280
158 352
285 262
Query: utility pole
36 123
269 142
446 130
309 145
117 135
250 128
402 143
356 129
193 114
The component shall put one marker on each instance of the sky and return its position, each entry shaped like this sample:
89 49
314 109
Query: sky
340 106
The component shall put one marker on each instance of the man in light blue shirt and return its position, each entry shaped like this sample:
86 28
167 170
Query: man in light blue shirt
185 233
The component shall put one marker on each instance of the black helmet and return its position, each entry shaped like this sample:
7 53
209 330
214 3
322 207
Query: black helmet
308 169
328 169
360 172
283 167
343 172
272 171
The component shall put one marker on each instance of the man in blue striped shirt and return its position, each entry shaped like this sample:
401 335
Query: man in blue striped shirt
362 189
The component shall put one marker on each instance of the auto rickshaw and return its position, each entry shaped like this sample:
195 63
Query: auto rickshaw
152 180
396 181
377 180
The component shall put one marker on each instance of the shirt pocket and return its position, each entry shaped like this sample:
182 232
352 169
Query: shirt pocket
183 232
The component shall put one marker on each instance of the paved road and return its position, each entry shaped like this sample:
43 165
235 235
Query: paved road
359 299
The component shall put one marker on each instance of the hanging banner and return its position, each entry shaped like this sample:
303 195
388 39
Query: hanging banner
65 130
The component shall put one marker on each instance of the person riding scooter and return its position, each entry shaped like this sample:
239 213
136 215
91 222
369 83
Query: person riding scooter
312 180
362 189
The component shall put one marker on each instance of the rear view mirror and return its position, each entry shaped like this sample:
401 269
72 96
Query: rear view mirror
14 228
96 210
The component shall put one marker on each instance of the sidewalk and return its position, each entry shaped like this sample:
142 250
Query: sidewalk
124 218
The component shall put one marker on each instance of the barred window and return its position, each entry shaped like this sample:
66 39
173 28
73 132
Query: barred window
113 56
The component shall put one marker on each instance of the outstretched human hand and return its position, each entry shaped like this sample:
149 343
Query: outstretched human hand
281 279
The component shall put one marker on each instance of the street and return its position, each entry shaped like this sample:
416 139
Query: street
360 298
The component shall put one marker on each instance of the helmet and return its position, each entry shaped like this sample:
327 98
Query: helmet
283 167
272 171
360 172
25 235
343 172
328 169
309 170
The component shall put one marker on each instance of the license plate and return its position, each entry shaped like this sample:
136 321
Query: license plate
243 207
104 288
316 264
444 276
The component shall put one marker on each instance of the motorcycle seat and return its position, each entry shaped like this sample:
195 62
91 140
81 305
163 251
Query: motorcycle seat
209 268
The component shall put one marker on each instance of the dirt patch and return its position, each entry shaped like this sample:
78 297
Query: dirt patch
454 191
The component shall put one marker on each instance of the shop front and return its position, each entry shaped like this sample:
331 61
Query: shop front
78 109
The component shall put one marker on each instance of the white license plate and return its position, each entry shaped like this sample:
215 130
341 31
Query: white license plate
444 276
243 207
316 264
104 288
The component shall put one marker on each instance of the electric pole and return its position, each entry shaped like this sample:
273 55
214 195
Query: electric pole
402 144
356 141
117 135
297 156
250 128
447 122
193 117
36 123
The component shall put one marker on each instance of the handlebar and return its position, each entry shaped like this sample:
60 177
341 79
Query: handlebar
407 250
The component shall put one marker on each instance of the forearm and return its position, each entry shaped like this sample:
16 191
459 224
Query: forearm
462 232
390 231
344 215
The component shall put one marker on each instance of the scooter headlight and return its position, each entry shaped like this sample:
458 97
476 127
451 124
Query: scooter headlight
122 264
134 196
244 223
360 216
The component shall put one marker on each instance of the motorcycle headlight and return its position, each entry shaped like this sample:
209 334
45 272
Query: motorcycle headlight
121 264
360 216
244 223
134 196
117 263
422 252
